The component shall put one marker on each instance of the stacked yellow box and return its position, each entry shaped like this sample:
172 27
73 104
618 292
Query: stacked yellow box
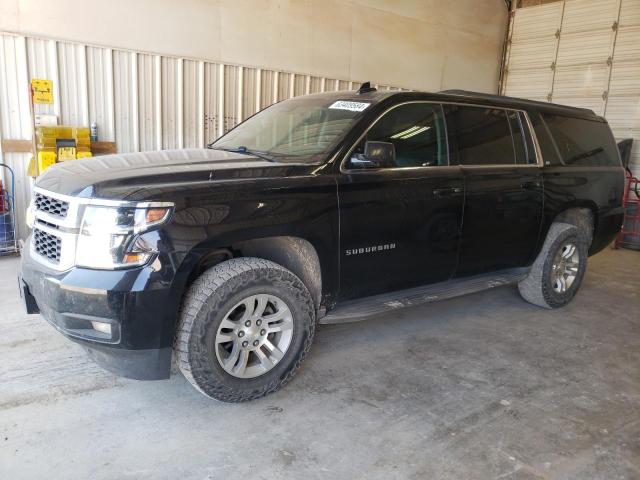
46 139
45 160
47 145
83 142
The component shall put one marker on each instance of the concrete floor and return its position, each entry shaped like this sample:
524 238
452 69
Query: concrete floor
483 386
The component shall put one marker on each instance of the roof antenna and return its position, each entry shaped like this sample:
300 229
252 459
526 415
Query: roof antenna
366 88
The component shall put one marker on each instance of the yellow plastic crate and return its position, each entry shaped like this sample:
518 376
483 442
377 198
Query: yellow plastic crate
65 132
45 160
47 131
82 142
80 132
46 143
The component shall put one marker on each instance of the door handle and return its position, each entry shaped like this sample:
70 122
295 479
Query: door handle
530 185
447 192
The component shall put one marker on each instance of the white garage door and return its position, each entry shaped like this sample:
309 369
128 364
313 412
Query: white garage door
584 53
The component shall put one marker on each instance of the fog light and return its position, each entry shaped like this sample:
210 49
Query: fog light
102 327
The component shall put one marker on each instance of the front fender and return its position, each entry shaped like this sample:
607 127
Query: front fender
226 217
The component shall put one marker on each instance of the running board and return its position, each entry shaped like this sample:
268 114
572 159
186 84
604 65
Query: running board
356 310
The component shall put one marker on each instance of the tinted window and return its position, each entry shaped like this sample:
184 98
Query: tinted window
480 136
531 150
519 146
417 132
548 149
582 142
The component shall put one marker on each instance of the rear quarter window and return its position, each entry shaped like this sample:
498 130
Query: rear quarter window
582 142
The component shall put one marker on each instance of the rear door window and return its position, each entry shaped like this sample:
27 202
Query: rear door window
550 153
519 146
532 157
480 135
582 142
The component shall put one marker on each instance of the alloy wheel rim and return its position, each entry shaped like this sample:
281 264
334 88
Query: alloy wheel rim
254 336
564 269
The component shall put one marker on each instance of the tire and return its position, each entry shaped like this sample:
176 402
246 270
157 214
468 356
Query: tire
541 286
229 292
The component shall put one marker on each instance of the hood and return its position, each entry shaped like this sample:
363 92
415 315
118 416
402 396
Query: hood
133 175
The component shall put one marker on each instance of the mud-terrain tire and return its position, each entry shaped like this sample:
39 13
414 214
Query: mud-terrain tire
234 291
542 286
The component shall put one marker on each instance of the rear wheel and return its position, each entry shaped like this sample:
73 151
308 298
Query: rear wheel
557 273
245 326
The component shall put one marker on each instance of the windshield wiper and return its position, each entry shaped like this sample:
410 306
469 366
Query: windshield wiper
243 149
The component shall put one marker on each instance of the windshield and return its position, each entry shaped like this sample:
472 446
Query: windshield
302 129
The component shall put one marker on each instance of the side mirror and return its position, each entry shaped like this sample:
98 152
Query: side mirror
376 155
382 153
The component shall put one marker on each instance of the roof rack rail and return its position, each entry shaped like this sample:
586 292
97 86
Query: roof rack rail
469 93
489 96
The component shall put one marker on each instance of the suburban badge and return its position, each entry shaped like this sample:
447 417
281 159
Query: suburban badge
374 248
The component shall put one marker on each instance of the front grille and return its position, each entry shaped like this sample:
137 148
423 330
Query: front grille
47 245
51 205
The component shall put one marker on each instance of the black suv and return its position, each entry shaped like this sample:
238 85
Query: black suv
319 209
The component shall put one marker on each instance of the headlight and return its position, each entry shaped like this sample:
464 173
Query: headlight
30 215
109 236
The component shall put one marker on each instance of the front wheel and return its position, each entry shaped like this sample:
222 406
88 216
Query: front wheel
245 326
557 273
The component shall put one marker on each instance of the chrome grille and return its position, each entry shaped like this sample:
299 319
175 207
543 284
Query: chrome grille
51 205
47 245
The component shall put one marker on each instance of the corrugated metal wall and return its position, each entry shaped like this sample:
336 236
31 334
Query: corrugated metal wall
584 53
139 100
15 119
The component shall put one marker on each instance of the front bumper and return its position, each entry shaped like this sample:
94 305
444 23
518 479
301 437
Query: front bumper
135 303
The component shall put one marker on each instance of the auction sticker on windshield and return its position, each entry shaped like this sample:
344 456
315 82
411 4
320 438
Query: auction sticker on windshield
352 106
